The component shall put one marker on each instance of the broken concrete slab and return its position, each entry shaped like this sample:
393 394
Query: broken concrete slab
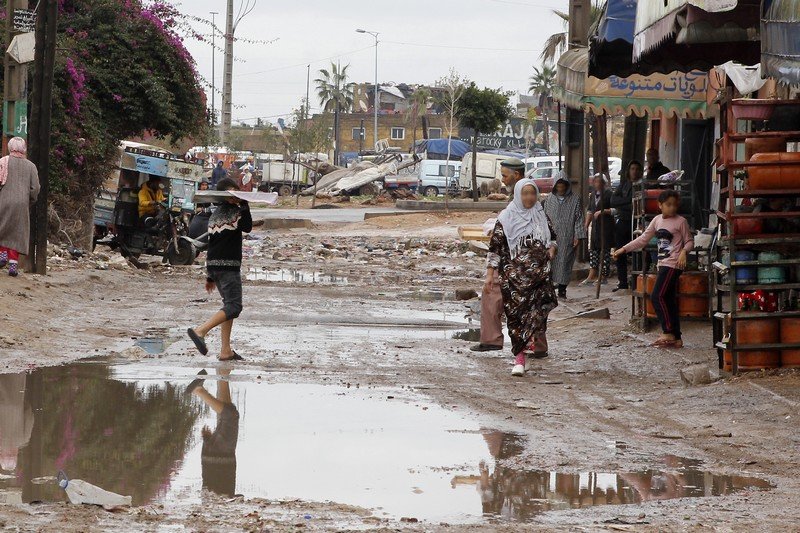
602 313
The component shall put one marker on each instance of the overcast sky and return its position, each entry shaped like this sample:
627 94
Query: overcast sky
492 42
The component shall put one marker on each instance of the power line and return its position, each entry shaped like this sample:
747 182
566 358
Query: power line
526 4
305 63
426 45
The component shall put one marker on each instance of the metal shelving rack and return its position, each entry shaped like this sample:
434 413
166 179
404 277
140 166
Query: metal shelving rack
728 291
640 262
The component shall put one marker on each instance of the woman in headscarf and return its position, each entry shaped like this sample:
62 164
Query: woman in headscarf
522 245
599 216
19 188
563 209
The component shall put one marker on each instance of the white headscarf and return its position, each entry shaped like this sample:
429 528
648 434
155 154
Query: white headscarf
520 223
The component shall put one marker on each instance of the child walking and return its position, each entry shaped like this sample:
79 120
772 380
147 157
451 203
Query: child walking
223 264
675 240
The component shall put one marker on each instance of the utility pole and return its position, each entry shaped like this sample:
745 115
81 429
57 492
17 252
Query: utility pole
377 92
213 67
576 158
231 23
41 102
227 78
15 83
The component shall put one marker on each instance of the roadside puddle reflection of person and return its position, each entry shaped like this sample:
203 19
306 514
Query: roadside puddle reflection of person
16 420
218 456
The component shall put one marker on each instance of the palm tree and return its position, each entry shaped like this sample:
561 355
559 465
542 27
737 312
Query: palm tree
335 94
332 87
557 43
419 107
542 83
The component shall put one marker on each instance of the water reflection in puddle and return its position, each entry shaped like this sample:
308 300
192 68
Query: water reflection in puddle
291 275
152 345
133 430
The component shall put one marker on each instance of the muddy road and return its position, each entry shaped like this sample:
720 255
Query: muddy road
359 405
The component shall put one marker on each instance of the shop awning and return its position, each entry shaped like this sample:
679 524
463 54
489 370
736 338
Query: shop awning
686 35
780 40
571 74
676 93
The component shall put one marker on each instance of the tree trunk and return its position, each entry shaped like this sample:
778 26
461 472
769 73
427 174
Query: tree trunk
475 192
336 134
546 133
600 144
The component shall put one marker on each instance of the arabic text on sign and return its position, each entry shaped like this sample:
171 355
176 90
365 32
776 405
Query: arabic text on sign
24 20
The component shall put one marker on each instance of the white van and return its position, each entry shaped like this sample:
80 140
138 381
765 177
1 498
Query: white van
433 176
488 168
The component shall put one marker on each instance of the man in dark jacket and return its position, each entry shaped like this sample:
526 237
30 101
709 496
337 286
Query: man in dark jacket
622 203
224 264
655 168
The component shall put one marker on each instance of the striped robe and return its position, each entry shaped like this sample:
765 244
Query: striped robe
567 220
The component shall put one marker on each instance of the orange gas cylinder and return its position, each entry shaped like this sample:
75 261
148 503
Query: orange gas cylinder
693 294
651 283
776 176
753 146
762 331
790 333
651 201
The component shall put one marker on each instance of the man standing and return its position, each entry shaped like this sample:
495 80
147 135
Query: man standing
218 174
655 168
512 170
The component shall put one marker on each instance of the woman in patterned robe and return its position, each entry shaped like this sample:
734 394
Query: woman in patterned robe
521 248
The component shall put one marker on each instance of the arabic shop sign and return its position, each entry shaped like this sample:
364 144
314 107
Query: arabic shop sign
686 86
16 123
515 134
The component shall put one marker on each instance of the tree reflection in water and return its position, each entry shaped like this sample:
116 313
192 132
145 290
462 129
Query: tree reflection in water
123 436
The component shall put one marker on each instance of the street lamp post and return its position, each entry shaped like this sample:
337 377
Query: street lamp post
377 88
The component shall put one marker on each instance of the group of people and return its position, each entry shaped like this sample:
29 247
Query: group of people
532 251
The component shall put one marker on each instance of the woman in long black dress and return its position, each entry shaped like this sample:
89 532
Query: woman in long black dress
522 246
600 217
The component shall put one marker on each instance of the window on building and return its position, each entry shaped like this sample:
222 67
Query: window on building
398 134
358 134
434 133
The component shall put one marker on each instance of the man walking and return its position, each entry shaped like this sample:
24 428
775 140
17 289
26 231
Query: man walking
512 170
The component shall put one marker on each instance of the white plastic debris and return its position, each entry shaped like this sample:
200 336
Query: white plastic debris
80 492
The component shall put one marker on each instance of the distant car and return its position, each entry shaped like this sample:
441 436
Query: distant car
544 178
434 174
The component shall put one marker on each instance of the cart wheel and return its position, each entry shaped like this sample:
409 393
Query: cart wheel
184 255
284 190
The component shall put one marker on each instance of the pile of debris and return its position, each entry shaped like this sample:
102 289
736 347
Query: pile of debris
357 179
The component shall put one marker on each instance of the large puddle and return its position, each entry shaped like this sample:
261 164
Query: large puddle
132 429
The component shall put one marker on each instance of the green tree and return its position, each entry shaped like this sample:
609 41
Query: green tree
542 83
333 88
335 94
483 111
121 72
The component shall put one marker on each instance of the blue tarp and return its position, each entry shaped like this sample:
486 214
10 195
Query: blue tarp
458 148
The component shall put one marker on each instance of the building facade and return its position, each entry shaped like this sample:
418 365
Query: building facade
357 130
